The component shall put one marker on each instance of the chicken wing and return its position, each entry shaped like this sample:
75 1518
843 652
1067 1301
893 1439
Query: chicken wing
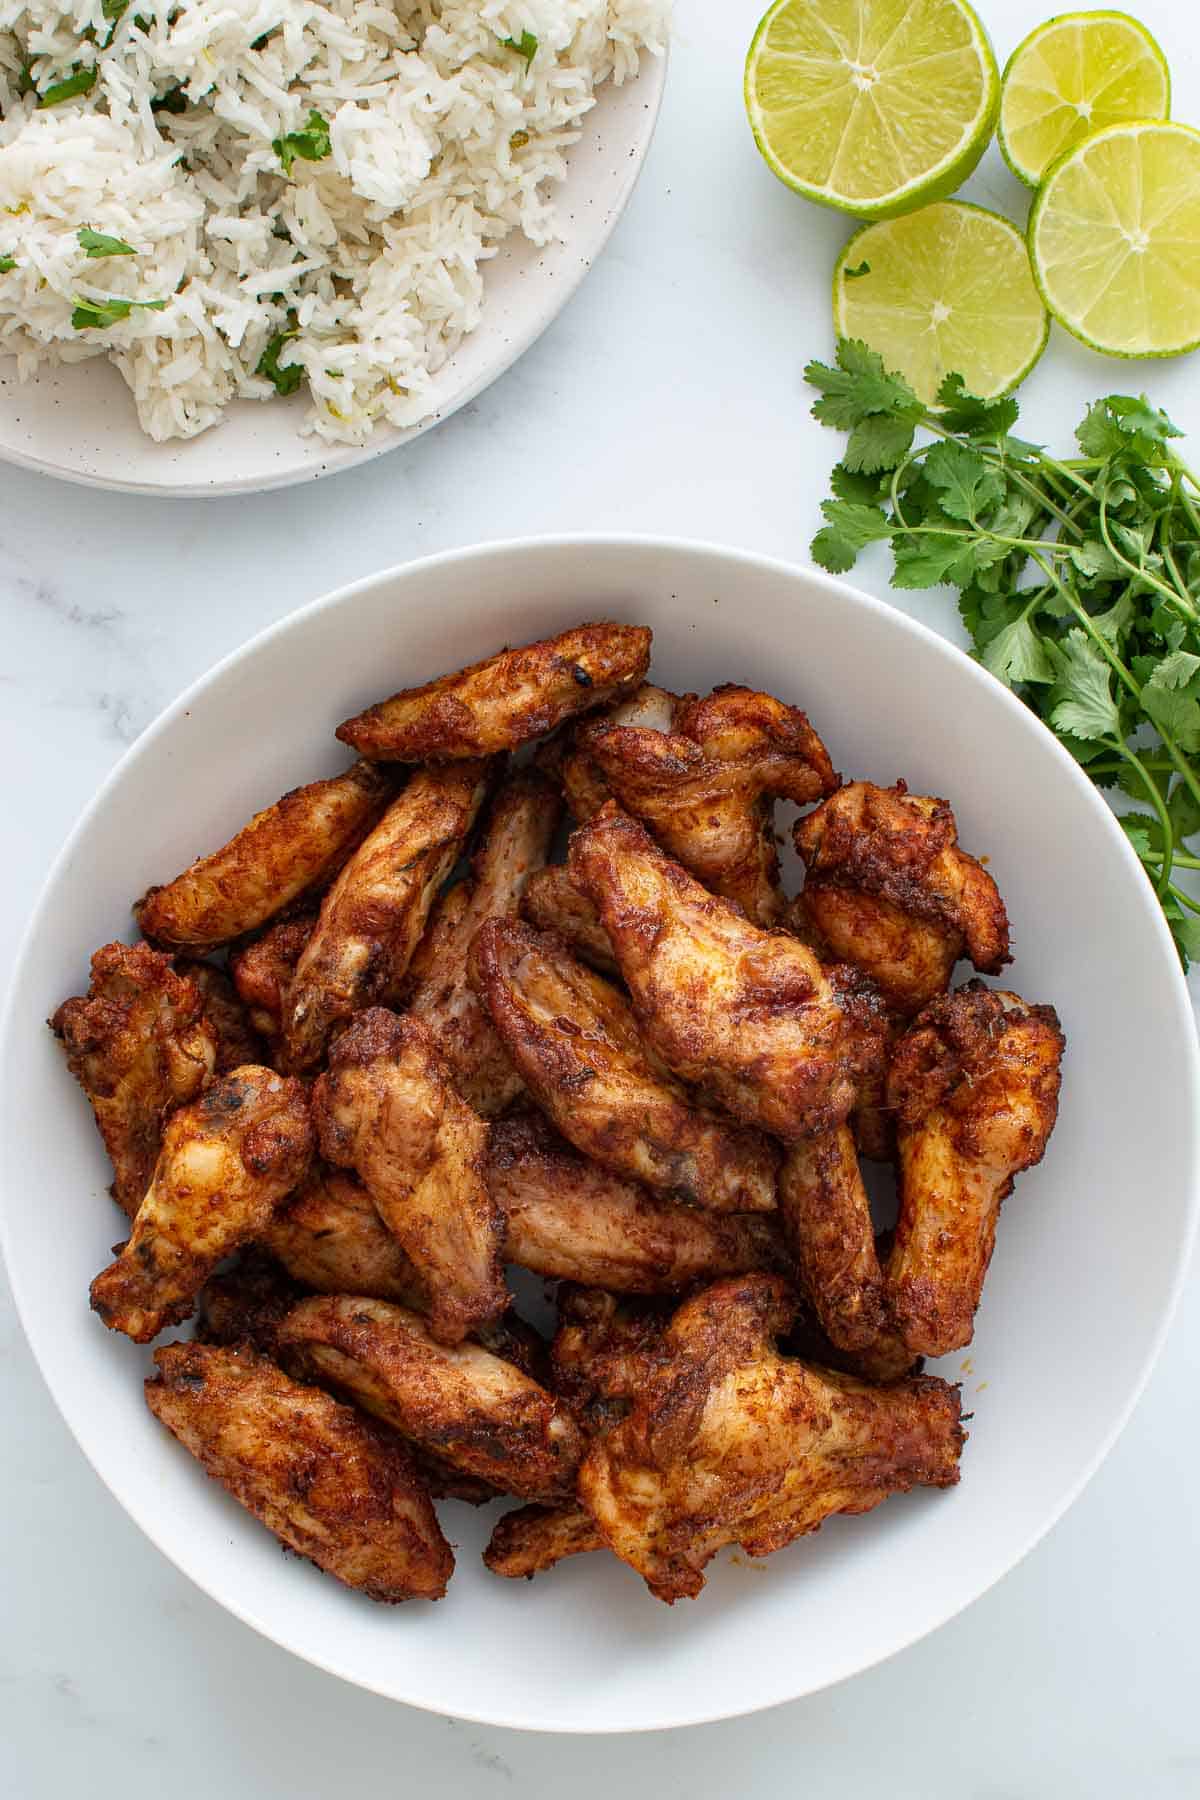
262 972
582 782
245 1302
975 1083
750 1016
329 1237
729 1442
569 1219
576 1046
237 1040
533 1538
373 916
553 903
331 1486
604 1351
138 1044
227 1161
890 891
706 789
825 1213
285 851
387 1109
478 1412
523 820
506 700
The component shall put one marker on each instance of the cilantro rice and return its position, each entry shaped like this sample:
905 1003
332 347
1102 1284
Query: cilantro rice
282 194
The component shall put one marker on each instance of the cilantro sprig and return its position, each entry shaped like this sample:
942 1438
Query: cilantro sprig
286 378
1078 577
312 143
98 315
99 244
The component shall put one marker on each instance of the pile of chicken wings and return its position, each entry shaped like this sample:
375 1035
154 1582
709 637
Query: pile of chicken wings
343 1085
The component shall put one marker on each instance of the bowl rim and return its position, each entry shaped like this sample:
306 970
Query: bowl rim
582 543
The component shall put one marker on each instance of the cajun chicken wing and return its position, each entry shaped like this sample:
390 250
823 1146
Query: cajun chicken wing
750 1016
291 847
582 782
329 1237
575 1044
387 1109
138 1044
552 902
478 1412
226 1162
533 1538
331 1485
237 1040
826 1216
706 789
523 820
566 1218
506 700
729 1442
975 1083
262 971
889 890
373 916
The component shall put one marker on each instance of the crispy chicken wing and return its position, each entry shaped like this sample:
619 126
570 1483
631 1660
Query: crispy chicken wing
246 1300
975 1083
523 820
552 902
729 1442
285 851
373 916
825 1213
227 1161
237 1040
576 1046
329 1484
890 891
506 700
604 1351
533 1538
138 1044
476 1411
329 1237
262 971
387 1109
748 1015
569 1219
582 782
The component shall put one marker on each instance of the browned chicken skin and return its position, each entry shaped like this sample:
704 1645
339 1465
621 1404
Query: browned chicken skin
387 1109
522 822
750 1016
975 1083
826 1216
138 1044
293 846
374 915
237 1040
506 700
584 787
329 1484
576 1046
729 1442
262 972
533 1538
227 1161
890 891
552 902
329 1237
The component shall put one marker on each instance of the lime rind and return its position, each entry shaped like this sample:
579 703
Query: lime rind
936 183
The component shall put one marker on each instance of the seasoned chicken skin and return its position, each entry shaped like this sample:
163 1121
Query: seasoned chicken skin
262 972
533 1538
552 902
750 1016
227 1161
826 1216
889 890
479 1413
329 1237
506 700
729 1442
566 1218
138 1044
706 789
373 916
293 846
582 782
331 1485
237 1040
387 1109
975 1084
522 822
576 1046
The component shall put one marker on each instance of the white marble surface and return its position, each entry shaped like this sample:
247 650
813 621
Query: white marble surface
668 398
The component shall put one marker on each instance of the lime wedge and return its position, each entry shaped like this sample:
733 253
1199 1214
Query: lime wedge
1075 75
1114 237
947 290
873 106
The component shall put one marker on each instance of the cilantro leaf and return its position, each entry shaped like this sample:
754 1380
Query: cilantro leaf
287 378
1170 698
966 485
96 315
964 412
858 387
7 263
98 243
1082 703
311 143
114 9
1017 653
857 272
878 442
1120 424
81 82
852 525
526 45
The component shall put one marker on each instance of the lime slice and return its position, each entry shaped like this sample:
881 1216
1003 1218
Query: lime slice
1114 237
947 290
873 106
1075 75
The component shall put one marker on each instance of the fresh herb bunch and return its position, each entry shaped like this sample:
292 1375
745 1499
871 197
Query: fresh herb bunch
1078 579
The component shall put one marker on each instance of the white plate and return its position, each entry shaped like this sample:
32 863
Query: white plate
79 422
1090 1249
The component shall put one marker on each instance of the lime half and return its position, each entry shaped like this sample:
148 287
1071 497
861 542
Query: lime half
873 106
947 290
1114 237
1075 75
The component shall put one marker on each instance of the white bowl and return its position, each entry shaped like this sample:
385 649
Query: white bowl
78 421
1091 1246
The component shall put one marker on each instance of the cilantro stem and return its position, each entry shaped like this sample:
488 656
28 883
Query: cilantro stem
1142 573
1178 857
1178 894
1133 761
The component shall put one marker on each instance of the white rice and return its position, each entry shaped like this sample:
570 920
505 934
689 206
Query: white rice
442 141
